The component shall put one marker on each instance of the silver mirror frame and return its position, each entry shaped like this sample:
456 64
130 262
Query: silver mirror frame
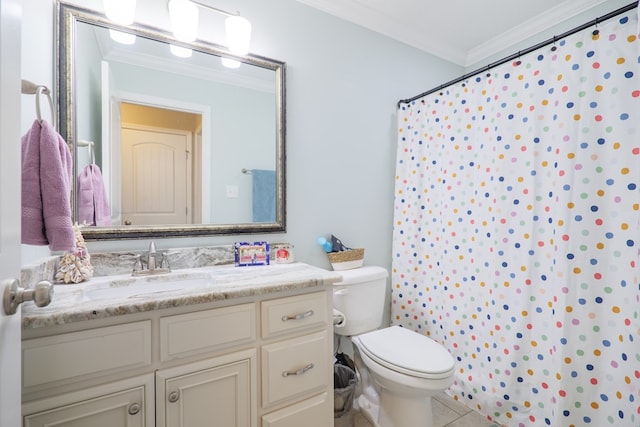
67 17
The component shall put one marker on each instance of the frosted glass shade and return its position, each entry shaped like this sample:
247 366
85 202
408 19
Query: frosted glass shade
123 38
179 51
184 19
230 63
238 31
121 12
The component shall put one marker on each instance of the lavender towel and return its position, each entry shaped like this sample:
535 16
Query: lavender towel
93 204
46 187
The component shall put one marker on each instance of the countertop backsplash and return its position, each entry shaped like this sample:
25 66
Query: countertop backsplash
114 263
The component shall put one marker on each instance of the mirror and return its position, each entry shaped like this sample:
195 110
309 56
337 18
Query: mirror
182 146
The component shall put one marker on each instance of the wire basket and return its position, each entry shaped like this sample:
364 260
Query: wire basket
346 260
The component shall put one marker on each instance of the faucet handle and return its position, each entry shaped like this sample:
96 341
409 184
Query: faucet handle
137 265
164 260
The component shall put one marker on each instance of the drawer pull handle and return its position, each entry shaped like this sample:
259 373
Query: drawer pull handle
134 408
174 396
299 371
298 316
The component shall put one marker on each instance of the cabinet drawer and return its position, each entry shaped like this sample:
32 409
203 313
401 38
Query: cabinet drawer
314 412
205 331
292 313
294 367
91 352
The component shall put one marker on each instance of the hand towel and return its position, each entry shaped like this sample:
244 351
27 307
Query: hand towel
93 204
46 187
263 195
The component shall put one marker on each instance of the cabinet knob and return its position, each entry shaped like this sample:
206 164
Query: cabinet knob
299 371
174 396
134 408
299 316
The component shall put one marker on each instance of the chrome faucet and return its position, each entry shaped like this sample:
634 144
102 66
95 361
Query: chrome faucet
153 267
151 257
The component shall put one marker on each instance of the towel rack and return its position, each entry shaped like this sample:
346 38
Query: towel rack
30 88
92 152
246 171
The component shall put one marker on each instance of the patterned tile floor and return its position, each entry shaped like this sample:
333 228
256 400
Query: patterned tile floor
446 413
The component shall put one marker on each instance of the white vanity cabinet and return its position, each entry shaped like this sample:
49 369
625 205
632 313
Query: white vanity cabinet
262 360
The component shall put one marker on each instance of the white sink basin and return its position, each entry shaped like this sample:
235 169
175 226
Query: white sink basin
145 287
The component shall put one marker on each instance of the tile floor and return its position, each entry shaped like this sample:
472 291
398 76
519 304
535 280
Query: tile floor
446 413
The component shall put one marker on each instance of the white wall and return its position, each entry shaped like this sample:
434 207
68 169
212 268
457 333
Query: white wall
343 83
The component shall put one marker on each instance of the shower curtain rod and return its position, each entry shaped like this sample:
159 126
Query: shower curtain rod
524 52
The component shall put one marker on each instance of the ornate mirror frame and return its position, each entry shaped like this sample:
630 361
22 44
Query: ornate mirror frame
67 17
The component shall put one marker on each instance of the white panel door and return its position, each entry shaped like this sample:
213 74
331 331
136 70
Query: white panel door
156 182
10 98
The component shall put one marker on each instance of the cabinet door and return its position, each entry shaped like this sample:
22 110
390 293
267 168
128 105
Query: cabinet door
120 409
219 391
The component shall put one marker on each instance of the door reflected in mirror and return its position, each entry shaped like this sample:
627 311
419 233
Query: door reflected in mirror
161 166
175 138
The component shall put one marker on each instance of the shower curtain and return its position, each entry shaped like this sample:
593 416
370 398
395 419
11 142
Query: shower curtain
517 231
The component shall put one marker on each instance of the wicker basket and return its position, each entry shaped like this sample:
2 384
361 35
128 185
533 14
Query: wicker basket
346 260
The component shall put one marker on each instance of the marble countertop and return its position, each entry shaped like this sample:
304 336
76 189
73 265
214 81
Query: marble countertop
108 296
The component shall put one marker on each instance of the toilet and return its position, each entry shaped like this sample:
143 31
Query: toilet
399 369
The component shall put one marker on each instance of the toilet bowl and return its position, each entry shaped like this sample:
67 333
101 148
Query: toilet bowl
407 369
399 369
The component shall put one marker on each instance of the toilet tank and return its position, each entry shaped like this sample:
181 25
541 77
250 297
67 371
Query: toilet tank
360 298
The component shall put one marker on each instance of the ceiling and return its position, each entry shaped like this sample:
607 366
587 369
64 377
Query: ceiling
461 31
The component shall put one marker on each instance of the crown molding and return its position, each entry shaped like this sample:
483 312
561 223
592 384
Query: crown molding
360 13
530 28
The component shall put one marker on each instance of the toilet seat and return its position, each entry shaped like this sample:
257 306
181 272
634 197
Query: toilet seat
407 352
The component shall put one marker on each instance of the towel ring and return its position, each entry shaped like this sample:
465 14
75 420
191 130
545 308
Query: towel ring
30 88
47 92
92 148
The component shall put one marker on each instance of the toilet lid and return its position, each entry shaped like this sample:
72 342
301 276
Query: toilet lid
407 352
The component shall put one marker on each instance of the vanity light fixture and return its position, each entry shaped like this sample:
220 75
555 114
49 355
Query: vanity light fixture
121 12
184 24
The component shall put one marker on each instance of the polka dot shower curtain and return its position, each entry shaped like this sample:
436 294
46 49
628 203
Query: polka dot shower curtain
517 231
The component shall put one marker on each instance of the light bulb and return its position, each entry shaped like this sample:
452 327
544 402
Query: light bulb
238 31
